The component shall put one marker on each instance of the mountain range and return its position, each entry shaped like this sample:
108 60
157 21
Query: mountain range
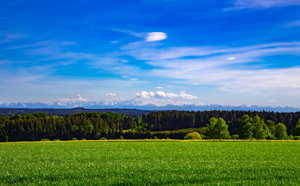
133 104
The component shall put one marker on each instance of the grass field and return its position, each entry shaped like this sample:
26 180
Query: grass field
150 163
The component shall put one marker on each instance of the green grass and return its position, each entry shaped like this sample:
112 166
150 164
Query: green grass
150 163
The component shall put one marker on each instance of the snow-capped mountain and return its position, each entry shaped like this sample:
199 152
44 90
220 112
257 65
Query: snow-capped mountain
133 104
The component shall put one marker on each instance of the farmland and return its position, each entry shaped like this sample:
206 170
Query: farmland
150 163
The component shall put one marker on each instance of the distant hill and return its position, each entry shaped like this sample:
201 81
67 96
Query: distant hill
63 112
132 104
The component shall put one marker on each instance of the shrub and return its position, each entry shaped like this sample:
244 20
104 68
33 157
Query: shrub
74 139
272 137
296 137
155 137
103 138
290 137
235 136
45 139
121 138
192 135
83 139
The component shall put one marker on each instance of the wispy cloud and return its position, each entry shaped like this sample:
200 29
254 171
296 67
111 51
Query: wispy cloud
133 33
261 4
293 23
6 37
43 43
226 67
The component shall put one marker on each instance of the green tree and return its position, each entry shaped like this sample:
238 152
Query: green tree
272 126
296 129
280 131
261 130
246 127
89 127
217 129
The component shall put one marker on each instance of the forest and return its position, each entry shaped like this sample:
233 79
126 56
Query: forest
160 124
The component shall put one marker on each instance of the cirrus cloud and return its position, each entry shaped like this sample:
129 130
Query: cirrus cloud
261 4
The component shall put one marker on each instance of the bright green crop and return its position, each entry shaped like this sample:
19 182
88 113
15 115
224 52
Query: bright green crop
150 163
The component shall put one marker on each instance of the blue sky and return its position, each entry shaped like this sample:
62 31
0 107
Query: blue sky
160 51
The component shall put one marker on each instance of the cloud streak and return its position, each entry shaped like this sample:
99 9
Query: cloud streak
261 4
235 69
6 37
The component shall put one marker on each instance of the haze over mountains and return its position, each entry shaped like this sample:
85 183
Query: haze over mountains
133 104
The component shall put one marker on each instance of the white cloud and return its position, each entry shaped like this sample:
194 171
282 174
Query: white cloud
187 96
111 94
125 61
134 79
114 42
261 4
152 94
163 95
231 58
159 87
144 94
156 36
160 94
78 98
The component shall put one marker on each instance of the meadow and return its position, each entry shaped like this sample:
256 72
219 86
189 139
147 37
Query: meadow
150 163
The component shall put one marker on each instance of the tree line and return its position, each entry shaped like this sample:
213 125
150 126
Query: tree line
161 124
173 120
93 125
